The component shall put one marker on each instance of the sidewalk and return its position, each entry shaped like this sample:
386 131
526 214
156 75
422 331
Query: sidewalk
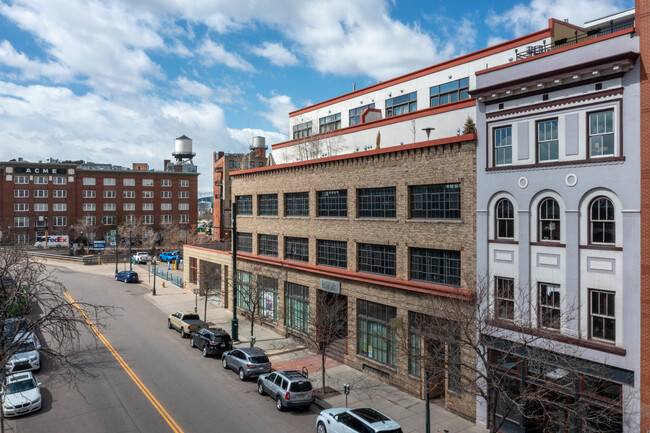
286 353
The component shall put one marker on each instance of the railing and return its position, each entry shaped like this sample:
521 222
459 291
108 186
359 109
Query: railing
174 279
534 50
86 260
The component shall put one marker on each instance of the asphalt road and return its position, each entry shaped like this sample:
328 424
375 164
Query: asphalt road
197 393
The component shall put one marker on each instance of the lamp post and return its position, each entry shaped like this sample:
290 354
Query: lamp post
116 242
45 231
234 331
154 276
428 131
130 256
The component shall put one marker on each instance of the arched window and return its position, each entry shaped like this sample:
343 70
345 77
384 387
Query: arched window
505 222
602 222
549 220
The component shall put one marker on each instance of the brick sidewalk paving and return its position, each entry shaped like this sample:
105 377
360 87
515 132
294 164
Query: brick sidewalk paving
312 363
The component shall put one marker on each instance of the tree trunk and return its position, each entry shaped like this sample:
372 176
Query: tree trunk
323 369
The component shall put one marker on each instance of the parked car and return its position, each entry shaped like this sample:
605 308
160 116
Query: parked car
185 322
170 256
13 326
27 355
247 362
21 394
141 257
288 388
127 276
344 420
211 341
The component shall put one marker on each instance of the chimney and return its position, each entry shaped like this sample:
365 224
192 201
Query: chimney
165 164
140 166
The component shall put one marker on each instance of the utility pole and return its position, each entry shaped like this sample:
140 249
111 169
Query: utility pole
234 331
154 277
117 238
130 253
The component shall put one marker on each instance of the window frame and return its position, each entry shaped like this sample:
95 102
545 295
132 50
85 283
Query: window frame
590 135
329 123
302 130
267 245
329 206
538 141
502 299
608 294
267 204
244 205
377 320
377 203
541 307
296 248
496 148
296 300
541 222
294 204
460 91
445 210
410 104
377 259
248 237
430 259
603 222
329 253
509 222
354 117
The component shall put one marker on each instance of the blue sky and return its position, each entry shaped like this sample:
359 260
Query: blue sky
117 81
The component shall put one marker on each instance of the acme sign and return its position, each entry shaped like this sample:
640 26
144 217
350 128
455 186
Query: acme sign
40 170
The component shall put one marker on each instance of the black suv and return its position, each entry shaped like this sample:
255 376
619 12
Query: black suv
211 341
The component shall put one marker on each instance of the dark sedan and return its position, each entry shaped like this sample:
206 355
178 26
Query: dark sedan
127 276
211 341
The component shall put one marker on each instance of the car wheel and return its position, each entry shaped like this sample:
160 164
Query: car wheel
182 333
321 428
169 324
115 277
278 403
205 351
224 362
124 280
242 374
260 388
192 342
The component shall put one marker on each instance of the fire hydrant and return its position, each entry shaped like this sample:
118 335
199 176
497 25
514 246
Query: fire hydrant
163 284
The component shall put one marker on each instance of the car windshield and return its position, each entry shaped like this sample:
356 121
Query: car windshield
26 346
259 359
301 386
21 386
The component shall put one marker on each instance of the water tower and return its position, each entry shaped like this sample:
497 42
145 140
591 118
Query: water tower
183 155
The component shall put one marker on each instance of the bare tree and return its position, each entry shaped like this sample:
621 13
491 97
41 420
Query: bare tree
413 128
255 292
317 145
81 230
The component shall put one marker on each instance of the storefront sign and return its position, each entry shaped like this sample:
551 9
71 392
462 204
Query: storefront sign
40 170
330 286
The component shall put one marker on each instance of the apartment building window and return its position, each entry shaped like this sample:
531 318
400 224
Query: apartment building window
21 238
128 194
60 221
109 181
147 194
402 104
108 220
601 133
505 219
60 193
549 220
377 259
147 219
21 207
355 114
602 316
89 193
183 206
165 206
296 249
435 266
129 219
333 203
503 145
602 221
302 130
109 194
60 207
165 182
296 204
504 298
435 201
549 306
21 193
376 202
128 206
21 222
268 288
329 123
88 181
183 194
165 219
183 183
233 164
244 204
547 140
147 182
449 92
110 206
41 180
88 207
296 307
267 204
89 220
147 206
267 245
59 180
332 253
128 182
375 335
184 219
245 242
165 194
21 179
40 222
40 193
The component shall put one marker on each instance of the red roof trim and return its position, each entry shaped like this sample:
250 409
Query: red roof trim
431 69
421 144
559 50
386 121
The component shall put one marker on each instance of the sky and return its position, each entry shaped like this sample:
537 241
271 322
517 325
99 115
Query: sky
118 81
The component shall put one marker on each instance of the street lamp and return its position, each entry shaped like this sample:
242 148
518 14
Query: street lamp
428 131
130 256
116 242
234 331
154 276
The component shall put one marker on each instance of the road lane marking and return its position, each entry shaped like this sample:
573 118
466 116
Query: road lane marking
161 410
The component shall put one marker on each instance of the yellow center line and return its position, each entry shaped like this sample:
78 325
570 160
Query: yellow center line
161 410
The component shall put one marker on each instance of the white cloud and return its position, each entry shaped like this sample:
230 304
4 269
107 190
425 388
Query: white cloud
245 137
31 69
279 107
276 53
216 53
525 18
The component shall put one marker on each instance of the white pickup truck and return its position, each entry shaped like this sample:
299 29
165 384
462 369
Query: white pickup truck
186 322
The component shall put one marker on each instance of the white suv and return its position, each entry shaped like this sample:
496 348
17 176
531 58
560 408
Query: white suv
26 356
366 420
141 257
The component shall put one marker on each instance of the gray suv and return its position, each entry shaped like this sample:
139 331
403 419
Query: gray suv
247 362
289 389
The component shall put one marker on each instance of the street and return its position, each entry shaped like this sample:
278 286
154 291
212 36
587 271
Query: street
188 393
